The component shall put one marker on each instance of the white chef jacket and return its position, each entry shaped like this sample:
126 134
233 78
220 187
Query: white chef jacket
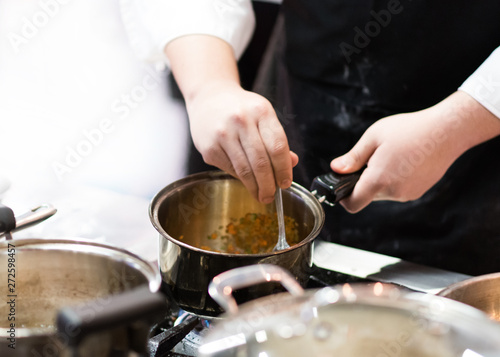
154 23
484 84
85 124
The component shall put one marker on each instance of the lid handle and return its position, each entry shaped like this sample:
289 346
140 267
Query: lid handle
222 286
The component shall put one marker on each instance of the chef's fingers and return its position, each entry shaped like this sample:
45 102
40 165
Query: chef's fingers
217 157
260 163
365 191
243 170
294 158
229 156
274 138
357 157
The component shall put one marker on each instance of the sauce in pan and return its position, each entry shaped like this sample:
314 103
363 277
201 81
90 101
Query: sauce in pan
254 233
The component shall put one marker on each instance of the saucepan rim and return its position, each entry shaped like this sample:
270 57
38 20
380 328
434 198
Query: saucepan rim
154 207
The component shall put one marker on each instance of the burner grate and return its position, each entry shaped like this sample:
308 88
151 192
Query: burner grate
167 338
180 335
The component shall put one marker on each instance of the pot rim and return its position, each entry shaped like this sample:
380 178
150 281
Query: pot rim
153 274
467 282
173 187
374 294
287 307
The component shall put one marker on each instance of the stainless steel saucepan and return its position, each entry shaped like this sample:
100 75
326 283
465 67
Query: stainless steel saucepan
188 211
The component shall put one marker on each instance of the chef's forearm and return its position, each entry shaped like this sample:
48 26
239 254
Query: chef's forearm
197 61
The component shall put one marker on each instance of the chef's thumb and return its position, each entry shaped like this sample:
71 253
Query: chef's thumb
352 161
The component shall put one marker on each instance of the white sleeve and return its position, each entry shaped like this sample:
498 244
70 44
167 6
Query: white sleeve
484 84
151 24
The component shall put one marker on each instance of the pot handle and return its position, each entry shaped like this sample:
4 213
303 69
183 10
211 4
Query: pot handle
9 223
136 309
222 286
333 187
7 220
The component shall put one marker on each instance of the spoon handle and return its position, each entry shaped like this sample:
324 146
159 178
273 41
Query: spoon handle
282 243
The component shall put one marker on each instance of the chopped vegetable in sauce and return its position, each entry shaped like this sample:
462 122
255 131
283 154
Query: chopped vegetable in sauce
252 234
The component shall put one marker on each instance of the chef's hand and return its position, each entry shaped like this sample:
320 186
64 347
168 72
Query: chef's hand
238 131
406 154
235 130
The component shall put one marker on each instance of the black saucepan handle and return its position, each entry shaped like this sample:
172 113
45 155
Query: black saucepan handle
137 310
333 187
7 219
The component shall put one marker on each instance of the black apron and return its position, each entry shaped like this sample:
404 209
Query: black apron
349 63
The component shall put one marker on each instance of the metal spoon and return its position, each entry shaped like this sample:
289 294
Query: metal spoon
282 243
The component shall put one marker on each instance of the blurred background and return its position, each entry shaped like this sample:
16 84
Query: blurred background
85 124
88 126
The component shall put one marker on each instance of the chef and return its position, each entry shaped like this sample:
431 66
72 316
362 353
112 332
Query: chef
411 89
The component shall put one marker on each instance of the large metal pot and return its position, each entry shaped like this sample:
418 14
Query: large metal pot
49 274
42 276
349 320
196 206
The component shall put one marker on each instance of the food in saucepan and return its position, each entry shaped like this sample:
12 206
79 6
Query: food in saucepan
254 233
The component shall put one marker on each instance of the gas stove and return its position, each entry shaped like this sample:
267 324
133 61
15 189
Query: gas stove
177 335
181 333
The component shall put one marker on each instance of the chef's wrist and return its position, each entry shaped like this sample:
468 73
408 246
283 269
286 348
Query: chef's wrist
210 88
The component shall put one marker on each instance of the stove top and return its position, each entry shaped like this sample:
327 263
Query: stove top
181 333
